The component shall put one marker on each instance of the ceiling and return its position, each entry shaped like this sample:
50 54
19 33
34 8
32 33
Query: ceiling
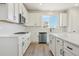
49 6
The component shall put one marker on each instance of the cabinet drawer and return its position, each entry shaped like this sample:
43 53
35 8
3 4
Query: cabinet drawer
59 41
72 48
67 53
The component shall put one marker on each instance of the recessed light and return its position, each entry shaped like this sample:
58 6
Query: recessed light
76 4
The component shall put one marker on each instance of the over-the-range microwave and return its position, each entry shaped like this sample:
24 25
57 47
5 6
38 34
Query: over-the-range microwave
21 19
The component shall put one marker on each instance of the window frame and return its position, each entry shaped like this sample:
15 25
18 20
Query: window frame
49 19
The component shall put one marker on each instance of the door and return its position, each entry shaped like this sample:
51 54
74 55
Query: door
43 37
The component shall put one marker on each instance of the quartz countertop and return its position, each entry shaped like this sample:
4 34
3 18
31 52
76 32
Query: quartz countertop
70 37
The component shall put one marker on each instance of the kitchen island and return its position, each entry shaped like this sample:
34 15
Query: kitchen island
14 44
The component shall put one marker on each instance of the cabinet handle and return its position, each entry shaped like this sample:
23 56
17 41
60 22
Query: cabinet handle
62 52
69 48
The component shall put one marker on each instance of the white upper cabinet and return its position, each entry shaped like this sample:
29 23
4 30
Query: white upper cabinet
20 8
9 12
63 19
73 20
16 13
3 11
34 19
23 11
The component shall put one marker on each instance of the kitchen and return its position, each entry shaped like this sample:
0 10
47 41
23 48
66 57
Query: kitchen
52 26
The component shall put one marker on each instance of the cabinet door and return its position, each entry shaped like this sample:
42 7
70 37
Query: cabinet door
59 47
73 22
3 11
8 46
53 45
11 12
16 14
20 47
20 8
63 19
67 53
23 11
50 41
24 46
59 50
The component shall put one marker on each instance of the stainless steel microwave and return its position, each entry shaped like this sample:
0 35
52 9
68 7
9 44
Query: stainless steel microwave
21 19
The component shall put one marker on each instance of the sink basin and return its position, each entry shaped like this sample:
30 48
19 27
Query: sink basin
21 32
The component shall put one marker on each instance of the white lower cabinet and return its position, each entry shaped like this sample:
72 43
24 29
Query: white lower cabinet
60 47
52 44
14 46
71 48
25 44
56 45
59 50
67 53
10 46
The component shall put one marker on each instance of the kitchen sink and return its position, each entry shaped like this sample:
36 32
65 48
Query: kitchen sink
21 33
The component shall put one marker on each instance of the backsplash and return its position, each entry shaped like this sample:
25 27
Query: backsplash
7 28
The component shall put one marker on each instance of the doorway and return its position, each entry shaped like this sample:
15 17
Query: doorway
43 37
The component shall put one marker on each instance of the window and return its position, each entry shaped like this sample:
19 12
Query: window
52 21
45 18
